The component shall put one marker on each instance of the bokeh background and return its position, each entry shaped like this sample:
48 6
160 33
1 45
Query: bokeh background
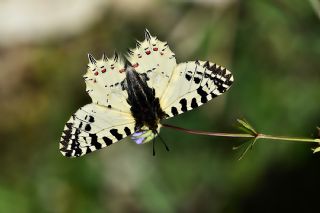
271 46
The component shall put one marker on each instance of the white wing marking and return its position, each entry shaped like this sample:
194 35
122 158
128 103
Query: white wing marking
104 83
193 84
155 59
93 127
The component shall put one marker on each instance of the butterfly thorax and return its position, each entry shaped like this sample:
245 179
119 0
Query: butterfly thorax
145 106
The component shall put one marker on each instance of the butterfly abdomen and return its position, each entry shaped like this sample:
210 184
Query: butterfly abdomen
145 107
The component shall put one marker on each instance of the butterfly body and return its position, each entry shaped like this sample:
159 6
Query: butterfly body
132 98
145 107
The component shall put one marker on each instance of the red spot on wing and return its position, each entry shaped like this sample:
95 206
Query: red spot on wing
161 53
155 49
96 73
148 52
104 70
135 65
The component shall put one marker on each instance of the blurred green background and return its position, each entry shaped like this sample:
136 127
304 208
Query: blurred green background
271 46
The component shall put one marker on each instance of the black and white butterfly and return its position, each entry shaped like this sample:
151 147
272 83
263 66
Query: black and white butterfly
132 98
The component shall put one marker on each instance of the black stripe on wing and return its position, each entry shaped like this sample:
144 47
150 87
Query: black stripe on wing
211 82
74 144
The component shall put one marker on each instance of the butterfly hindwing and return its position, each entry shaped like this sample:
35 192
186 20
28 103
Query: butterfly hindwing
93 127
154 59
104 83
193 84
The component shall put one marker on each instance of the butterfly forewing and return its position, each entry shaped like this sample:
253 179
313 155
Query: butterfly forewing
193 84
93 127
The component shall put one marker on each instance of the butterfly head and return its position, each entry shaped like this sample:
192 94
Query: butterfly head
145 135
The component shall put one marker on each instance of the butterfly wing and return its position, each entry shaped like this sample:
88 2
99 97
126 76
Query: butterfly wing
104 83
154 59
193 84
93 127
180 87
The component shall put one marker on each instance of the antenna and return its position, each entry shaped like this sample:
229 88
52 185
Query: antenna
164 143
153 150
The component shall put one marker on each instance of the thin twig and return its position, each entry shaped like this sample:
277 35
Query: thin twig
218 134
237 135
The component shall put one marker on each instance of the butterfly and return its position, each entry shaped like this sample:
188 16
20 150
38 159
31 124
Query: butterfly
133 97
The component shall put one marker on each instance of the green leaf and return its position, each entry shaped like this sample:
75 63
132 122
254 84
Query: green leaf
245 126
316 150
249 147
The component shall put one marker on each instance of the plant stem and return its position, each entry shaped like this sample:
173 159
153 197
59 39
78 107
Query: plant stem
285 138
237 135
